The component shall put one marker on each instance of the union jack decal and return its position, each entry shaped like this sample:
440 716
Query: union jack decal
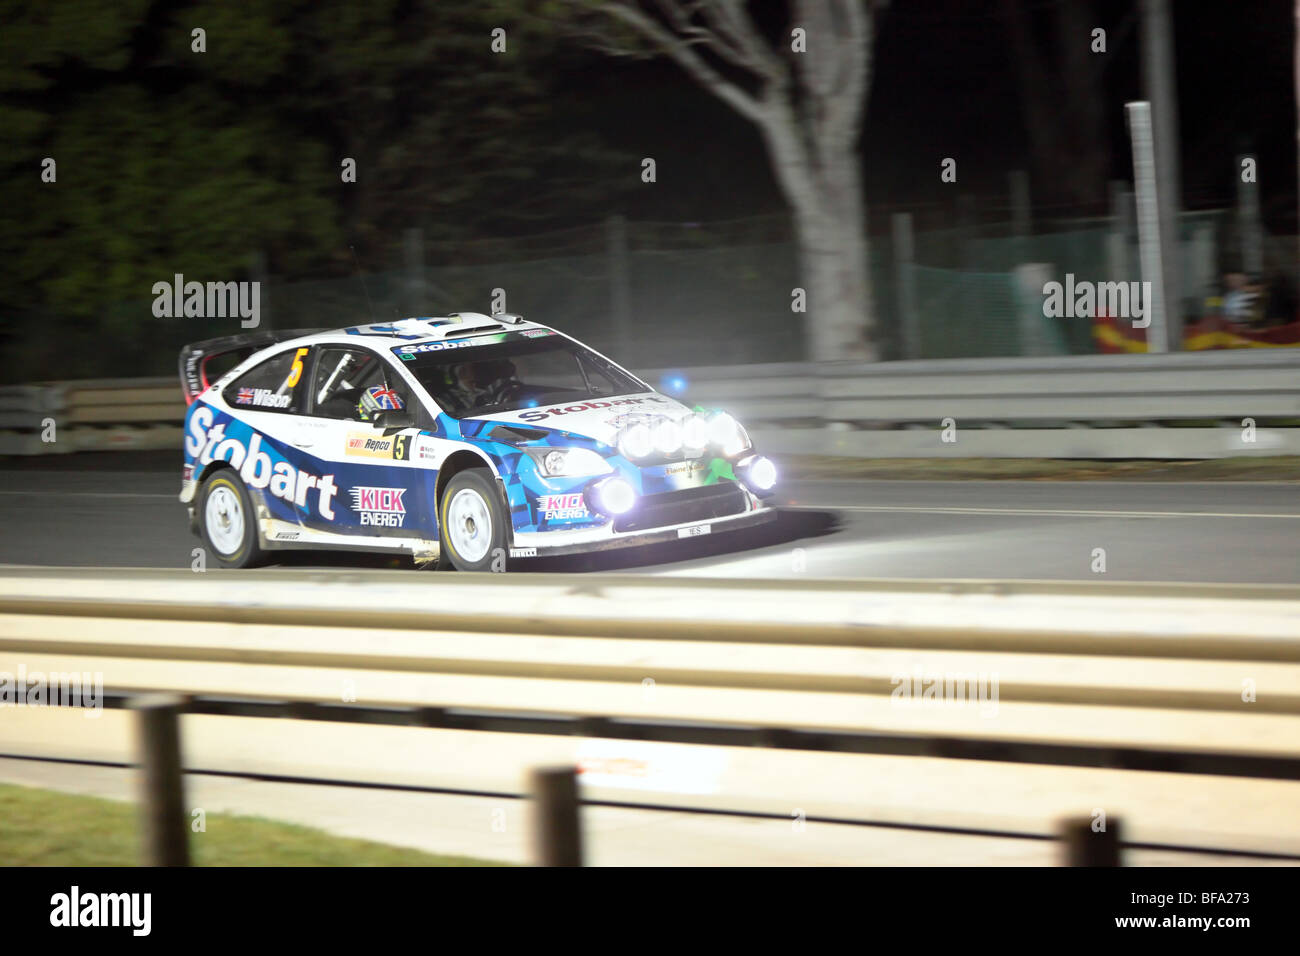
387 398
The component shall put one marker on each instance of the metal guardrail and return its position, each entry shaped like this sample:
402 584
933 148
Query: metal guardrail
91 415
1035 391
1181 405
736 696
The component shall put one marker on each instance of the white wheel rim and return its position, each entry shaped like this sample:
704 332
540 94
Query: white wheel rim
469 525
223 516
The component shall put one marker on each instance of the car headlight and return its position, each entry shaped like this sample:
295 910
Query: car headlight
695 434
568 462
636 441
727 435
667 437
611 496
759 473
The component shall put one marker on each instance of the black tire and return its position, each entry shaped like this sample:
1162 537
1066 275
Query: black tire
469 496
229 498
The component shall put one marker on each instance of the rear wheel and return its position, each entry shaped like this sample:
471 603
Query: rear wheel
227 523
472 523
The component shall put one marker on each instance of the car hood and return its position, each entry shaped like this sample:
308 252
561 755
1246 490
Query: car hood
600 419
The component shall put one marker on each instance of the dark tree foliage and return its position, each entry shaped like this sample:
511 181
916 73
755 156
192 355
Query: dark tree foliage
171 160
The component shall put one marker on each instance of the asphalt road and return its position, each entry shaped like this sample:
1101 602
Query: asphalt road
121 511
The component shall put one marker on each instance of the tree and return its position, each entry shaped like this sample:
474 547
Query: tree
170 159
447 108
805 88
1063 93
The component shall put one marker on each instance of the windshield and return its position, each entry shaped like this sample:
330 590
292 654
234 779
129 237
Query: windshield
512 370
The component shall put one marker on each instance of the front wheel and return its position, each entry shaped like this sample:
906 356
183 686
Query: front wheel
472 523
227 523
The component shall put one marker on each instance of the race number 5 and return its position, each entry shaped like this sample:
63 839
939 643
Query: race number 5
295 373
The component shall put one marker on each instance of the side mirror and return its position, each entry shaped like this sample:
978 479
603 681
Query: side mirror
393 418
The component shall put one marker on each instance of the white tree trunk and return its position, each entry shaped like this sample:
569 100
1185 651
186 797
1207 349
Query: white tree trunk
833 260
830 227
811 136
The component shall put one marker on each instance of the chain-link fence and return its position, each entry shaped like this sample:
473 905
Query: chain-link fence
966 314
657 295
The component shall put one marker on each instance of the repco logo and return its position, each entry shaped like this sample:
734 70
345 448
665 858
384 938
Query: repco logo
538 414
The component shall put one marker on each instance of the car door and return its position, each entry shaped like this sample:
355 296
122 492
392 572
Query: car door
384 492
260 434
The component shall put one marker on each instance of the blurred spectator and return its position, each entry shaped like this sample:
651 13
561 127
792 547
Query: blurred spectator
1240 298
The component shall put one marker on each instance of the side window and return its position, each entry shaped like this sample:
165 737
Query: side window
344 376
597 379
269 386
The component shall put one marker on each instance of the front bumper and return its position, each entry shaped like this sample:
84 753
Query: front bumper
605 537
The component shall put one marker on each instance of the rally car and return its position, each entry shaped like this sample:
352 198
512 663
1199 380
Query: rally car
466 441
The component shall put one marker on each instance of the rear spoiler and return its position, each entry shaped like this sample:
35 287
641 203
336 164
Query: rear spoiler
196 356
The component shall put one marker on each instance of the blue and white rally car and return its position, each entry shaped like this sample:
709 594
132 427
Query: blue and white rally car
468 440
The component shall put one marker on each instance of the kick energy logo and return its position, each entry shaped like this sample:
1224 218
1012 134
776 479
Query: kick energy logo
379 506
560 507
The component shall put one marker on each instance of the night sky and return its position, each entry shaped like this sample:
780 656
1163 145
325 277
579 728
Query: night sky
945 84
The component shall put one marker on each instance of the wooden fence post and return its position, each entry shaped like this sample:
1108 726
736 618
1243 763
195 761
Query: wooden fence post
557 830
162 797
1083 846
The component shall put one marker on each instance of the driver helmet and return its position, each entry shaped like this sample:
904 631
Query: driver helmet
499 372
378 398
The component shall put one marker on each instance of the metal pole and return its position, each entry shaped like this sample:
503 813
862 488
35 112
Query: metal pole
905 279
1201 260
1248 224
166 839
557 831
1150 252
1031 325
1158 81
